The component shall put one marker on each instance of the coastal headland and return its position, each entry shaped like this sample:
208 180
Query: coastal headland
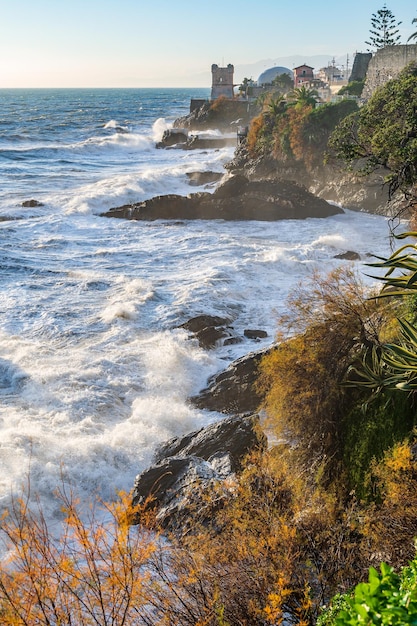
261 189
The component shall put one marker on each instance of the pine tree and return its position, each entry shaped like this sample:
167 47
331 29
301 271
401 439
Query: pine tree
384 31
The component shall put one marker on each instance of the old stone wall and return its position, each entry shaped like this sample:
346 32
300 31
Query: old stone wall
360 66
386 64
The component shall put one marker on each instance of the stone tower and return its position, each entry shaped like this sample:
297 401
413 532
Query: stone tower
222 81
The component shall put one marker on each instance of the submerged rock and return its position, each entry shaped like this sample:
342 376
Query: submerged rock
31 203
349 255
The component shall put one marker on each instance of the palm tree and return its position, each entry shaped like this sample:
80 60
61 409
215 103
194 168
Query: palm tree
303 96
275 107
414 35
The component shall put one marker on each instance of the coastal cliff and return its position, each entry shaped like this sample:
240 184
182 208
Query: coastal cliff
328 182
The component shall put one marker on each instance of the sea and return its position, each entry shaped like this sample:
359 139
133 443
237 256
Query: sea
95 370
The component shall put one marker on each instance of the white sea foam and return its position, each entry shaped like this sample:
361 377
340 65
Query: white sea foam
335 241
158 128
95 370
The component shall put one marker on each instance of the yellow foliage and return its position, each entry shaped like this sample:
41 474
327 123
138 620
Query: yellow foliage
255 129
305 401
296 117
92 573
390 525
399 459
219 103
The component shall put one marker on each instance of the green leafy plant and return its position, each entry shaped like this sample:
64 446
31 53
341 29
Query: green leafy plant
303 96
354 88
393 365
387 598
383 134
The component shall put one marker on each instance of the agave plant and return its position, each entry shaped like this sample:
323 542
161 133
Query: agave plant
393 365
402 358
403 259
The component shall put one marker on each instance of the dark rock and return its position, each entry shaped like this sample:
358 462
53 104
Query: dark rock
208 329
199 322
255 334
31 203
348 256
330 181
210 337
162 481
195 142
173 137
233 390
186 467
232 187
232 341
169 207
234 436
236 199
197 179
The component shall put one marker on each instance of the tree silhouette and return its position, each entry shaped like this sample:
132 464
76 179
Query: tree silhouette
384 31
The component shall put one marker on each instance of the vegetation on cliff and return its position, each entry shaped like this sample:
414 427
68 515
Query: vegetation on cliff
294 129
333 496
383 133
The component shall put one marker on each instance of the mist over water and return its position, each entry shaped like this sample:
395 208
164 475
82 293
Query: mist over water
94 369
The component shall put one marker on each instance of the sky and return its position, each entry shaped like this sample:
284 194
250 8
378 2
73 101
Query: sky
173 43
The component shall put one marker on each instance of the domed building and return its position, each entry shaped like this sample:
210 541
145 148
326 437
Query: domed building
269 75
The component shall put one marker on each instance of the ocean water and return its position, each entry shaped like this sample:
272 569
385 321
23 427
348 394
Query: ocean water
94 371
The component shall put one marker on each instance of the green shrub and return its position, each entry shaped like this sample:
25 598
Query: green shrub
387 598
368 432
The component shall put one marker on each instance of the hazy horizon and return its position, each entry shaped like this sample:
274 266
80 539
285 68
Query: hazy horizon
173 44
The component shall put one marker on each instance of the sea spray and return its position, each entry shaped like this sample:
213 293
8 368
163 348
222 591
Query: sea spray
95 370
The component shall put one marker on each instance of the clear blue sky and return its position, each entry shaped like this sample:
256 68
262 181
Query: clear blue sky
172 43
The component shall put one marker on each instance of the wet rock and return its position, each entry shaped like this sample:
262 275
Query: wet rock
199 322
349 255
233 436
173 137
233 390
195 142
255 334
235 199
209 330
188 466
31 203
197 179
232 341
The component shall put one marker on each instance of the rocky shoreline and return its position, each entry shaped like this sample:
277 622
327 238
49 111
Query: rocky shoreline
259 189
184 468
